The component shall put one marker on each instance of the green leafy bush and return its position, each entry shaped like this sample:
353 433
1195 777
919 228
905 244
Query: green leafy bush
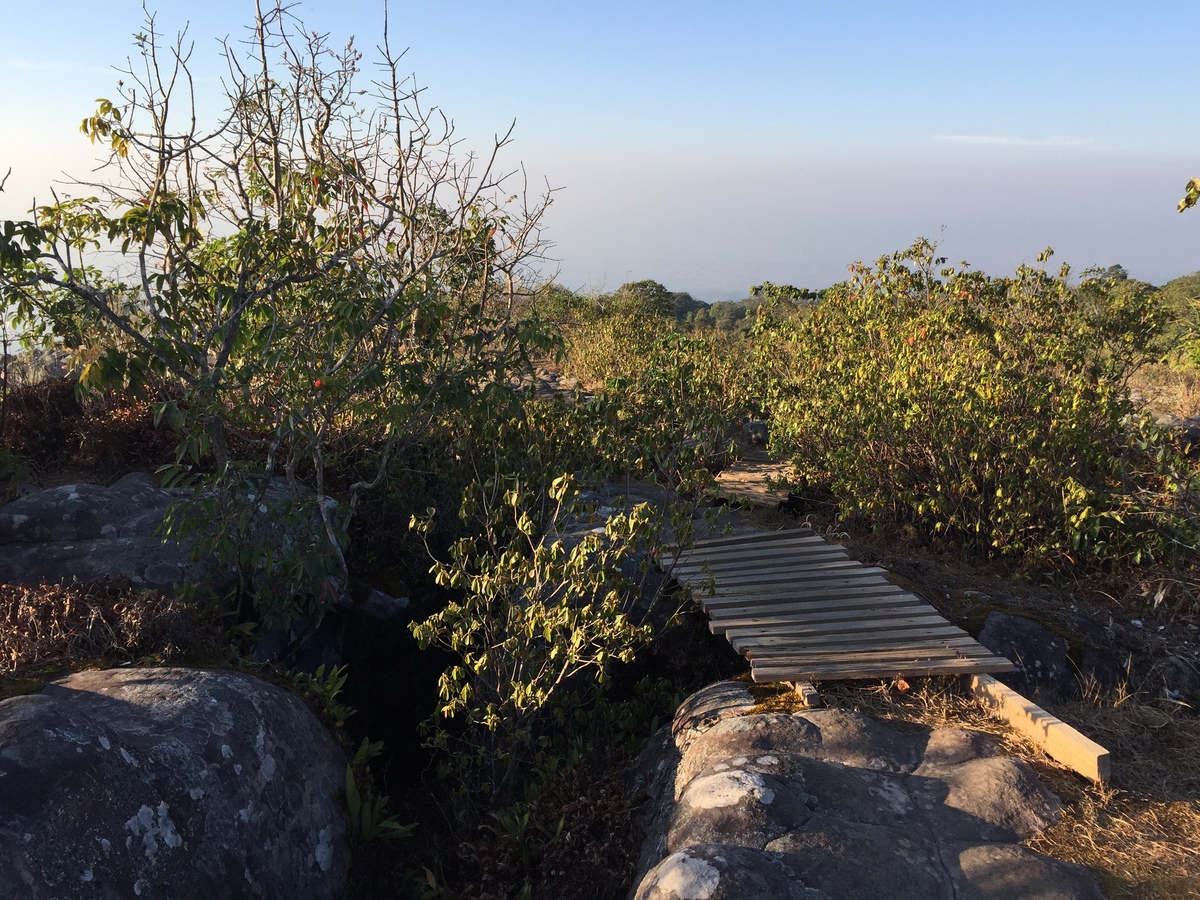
990 412
532 614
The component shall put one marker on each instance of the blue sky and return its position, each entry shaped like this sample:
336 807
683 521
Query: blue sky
714 145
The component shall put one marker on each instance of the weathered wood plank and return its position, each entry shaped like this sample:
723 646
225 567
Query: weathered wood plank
801 608
759 561
847 628
784 573
762 655
799 535
774 609
805 601
773 672
877 587
835 639
847 576
795 547
794 619
1056 737
905 654
808 622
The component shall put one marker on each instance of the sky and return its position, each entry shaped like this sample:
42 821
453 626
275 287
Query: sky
714 145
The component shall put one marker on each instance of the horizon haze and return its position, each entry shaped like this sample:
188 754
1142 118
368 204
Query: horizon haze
710 149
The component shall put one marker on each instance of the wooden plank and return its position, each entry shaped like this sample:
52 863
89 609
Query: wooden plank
794 619
815 599
841 643
811 594
881 622
848 650
864 588
832 585
799 535
796 655
799 611
769 672
766 559
1056 737
944 667
809 698
847 576
897 662
797 546
777 611
949 646
801 623
800 607
756 575
903 655
767 556
819 642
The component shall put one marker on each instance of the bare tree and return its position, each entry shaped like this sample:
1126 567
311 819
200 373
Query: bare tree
322 260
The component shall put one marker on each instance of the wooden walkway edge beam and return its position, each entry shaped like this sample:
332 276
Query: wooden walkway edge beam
1060 741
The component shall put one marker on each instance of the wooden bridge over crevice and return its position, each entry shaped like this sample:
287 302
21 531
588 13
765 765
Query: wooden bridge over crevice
800 609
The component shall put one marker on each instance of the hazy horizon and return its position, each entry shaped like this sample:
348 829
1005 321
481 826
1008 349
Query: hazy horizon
709 148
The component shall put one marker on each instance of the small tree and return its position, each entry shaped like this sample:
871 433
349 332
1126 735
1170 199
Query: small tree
1191 195
319 268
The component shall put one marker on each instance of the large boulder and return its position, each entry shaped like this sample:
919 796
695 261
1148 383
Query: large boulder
839 805
168 783
87 532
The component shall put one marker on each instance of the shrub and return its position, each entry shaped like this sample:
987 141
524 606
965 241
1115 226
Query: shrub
989 412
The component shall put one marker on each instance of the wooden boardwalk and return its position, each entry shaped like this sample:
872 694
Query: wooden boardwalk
746 480
800 609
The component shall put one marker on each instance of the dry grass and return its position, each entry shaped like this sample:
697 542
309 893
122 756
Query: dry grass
1139 834
48 626
1166 390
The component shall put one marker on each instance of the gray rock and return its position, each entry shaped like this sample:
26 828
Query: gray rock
1039 655
133 507
745 737
379 605
707 707
1011 872
855 740
949 746
722 872
845 804
144 561
86 532
168 783
853 860
737 806
994 799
